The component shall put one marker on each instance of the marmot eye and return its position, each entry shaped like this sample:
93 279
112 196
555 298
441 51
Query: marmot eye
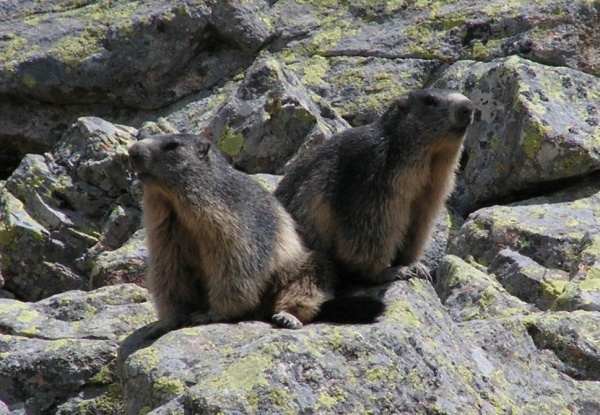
431 101
171 145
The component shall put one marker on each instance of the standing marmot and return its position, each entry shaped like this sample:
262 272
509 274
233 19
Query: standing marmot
369 196
222 248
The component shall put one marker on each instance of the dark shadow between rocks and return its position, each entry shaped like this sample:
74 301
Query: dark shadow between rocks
140 339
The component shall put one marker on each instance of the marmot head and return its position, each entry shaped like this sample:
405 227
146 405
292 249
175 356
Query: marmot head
172 162
428 115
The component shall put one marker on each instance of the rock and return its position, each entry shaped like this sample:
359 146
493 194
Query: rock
526 279
558 33
544 120
530 372
572 337
67 207
58 349
96 43
268 181
549 240
105 55
126 264
269 117
583 291
361 88
469 293
394 366
440 238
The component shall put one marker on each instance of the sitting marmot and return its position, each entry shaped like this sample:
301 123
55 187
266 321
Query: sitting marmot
369 196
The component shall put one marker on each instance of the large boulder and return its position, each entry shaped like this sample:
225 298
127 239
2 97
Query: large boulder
269 117
114 60
544 120
556 32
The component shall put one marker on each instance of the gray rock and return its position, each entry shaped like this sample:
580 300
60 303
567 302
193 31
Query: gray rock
556 234
269 117
526 279
559 33
360 88
67 207
94 46
543 120
408 363
107 59
537 380
470 293
126 264
58 349
583 291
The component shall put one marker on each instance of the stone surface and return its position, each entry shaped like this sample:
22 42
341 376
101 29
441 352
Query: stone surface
252 368
107 58
551 241
59 350
67 207
268 118
558 33
544 120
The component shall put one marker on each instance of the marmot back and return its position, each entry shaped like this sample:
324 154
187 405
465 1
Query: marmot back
221 248
369 196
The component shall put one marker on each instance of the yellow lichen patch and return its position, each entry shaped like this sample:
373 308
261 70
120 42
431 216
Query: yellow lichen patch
244 374
148 358
532 142
282 400
231 143
592 280
168 386
73 50
313 70
402 312
552 289
326 400
330 36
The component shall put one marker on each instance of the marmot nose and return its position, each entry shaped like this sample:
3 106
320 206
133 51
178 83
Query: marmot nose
464 113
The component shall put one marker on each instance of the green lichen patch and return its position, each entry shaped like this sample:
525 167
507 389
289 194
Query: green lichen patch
231 142
168 386
592 280
244 374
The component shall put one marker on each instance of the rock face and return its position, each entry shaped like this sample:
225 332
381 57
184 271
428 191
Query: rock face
66 208
511 321
544 120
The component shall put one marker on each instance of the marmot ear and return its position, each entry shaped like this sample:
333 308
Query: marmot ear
402 105
202 148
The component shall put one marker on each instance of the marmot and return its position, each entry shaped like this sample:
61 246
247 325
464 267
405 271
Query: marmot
222 248
369 196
